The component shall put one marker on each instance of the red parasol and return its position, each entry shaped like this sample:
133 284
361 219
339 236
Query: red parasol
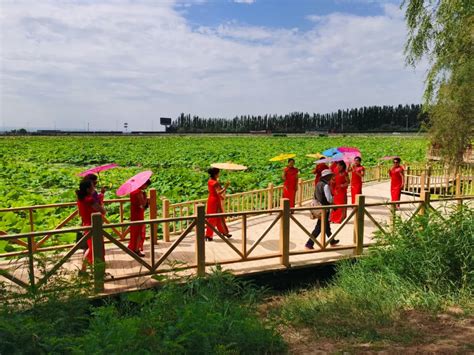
98 169
134 183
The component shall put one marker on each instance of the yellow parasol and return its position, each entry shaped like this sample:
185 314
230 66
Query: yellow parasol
229 166
315 156
283 157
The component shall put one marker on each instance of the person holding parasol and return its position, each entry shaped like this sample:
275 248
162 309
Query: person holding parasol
136 187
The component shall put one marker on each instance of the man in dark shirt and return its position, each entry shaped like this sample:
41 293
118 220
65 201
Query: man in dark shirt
322 193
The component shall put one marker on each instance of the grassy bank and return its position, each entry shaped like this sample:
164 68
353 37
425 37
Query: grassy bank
215 315
396 295
426 266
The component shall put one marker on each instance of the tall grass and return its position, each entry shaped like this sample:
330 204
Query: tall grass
213 315
427 264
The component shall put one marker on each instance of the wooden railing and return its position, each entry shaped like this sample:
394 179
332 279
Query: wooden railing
282 218
440 181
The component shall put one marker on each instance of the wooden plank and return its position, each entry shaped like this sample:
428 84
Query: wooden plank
254 244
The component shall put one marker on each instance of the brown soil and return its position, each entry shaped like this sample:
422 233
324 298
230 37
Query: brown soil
441 335
446 333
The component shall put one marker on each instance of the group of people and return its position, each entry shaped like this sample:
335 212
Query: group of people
331 187
90 201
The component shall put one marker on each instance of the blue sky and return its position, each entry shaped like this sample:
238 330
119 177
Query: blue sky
100 63
274 13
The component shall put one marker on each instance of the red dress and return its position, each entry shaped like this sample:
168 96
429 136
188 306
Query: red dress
319 169
85 211
214 205
396 182
356 182
137 213
290 184
335 171
340 197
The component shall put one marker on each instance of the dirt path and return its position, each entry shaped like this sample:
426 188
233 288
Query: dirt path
447 333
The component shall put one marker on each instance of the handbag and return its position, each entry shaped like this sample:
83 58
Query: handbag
314 214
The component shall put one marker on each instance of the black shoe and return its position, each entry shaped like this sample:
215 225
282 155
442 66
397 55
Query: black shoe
334 241
209 239
139 253
228 235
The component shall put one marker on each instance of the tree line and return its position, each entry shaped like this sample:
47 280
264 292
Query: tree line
364 119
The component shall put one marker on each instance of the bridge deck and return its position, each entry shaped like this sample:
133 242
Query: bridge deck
120 265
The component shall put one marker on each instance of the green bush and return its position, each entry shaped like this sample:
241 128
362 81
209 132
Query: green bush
213 315
426 264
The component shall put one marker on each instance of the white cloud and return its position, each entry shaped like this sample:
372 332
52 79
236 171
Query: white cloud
245 1
135 61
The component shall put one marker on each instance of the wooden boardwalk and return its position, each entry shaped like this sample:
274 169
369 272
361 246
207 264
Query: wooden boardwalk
123 273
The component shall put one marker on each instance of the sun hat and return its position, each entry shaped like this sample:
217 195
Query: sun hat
326 172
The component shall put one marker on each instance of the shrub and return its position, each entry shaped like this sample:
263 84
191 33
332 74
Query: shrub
426 264
212 315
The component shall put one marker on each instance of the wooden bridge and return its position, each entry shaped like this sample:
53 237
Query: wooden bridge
267 236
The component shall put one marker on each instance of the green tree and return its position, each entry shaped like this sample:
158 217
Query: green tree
443 31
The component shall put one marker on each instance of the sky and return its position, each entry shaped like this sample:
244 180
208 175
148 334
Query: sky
73 64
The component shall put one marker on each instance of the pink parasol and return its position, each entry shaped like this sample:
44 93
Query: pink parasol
98 169
325 160
349 157
349 150
389 157
134 183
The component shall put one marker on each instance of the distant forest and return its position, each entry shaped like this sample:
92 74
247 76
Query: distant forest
364 119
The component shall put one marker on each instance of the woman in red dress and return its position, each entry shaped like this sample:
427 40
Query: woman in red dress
397 177
214 204
317 171
99 197
290 182
358 172
87 205
138 205
341 182
334 169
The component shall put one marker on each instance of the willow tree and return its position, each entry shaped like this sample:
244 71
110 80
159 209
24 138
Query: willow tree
442 31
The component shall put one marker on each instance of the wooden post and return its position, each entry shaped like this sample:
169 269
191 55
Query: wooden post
153 215
393 210
98 252
407 179
285 233
425 197
122 229
300 192
428 180
244 236
32 228
379 172
422 182
166 225
200 240
458 188
323 227
31 263
32 223
359 224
